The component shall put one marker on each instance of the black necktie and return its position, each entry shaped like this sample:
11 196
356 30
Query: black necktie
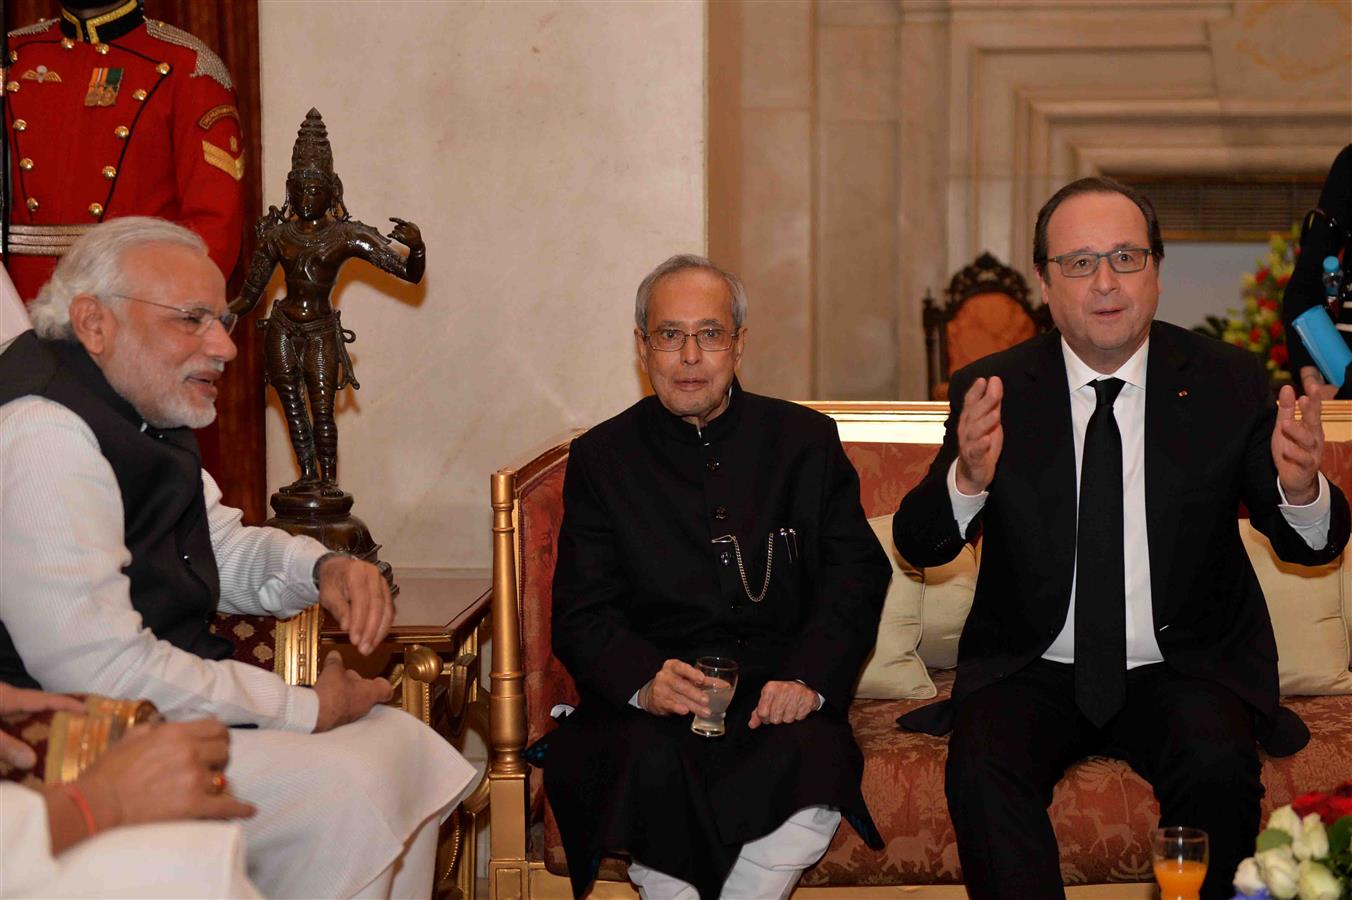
1100 572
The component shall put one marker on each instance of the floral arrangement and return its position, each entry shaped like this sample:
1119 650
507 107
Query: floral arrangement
1257 325
1305 851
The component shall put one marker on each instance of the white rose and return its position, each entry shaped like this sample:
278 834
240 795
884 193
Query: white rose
1278 868
1317 882
1248 880
1285 819
1311 841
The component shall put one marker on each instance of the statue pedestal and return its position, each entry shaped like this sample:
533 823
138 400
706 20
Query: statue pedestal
329 520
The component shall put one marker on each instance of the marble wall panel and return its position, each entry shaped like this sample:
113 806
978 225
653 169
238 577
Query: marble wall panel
859 12
552 153
856 308
776 251
922 214
857 74
776 53
1274 48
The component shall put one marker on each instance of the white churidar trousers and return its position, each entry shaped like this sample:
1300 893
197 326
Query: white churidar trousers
766 869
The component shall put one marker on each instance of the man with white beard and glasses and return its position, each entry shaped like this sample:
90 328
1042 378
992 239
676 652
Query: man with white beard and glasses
115 554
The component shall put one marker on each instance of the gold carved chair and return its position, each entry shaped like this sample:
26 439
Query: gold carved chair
987 309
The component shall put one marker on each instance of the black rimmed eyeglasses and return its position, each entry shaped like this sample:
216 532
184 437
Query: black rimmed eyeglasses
194 320
669 340
1123 260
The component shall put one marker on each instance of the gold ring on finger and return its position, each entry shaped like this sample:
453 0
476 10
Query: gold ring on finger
218 783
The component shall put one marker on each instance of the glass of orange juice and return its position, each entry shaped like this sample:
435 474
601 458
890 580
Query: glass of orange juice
1180 857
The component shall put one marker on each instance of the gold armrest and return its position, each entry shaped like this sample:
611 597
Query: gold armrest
297 647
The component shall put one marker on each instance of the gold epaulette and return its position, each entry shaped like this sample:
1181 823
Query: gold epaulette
208 63
37 27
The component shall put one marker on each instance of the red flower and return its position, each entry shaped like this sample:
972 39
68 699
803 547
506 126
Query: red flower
1282 280
1278 354
1275 329
1262 275
1238 342
1331 806
1256 334
1265 303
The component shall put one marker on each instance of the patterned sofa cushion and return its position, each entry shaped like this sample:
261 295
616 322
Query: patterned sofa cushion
1311 610
255 637
894 670
1102 811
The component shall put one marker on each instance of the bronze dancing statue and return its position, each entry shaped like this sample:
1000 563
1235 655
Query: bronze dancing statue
311 236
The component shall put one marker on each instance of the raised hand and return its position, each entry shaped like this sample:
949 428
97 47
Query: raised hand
782 702
1298 446
981 437
1313 383
406 233
677 689
344 696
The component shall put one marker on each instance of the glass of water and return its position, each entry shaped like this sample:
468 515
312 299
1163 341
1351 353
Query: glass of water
720 680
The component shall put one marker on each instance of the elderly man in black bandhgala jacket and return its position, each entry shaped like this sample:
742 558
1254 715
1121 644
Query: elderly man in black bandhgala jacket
649 577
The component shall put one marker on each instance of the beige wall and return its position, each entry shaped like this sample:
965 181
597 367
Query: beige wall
552 152
881 145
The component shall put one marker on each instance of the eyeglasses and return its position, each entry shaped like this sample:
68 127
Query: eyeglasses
194 321
669 340
1123 260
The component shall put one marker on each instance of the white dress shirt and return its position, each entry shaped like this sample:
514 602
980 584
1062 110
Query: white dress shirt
1311 521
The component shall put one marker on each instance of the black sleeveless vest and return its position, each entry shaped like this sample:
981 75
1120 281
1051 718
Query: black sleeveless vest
175 585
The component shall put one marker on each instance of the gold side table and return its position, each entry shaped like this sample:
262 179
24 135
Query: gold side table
432 658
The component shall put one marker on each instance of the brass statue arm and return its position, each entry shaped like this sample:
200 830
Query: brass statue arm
260 271
375 249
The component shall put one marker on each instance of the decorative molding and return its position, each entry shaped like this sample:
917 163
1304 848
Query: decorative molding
1033 104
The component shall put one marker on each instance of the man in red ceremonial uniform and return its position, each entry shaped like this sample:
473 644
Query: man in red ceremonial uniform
111 114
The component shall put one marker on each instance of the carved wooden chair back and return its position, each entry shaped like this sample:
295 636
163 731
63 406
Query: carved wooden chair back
987 309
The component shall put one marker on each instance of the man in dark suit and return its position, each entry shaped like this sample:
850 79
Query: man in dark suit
706 520
1103 465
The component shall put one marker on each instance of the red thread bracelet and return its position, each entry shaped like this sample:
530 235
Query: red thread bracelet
78 798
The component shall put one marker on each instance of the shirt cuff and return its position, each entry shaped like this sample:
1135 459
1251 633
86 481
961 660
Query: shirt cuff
300 572
1312 520
295 589
965 506
302 712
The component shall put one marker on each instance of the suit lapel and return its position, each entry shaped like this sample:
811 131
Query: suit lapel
1166 454
1053 445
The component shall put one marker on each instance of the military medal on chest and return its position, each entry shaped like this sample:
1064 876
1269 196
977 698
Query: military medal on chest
104 82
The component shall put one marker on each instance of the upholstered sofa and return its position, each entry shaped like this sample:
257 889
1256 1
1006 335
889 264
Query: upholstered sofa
1102 812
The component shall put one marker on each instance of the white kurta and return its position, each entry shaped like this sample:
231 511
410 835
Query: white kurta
335 809
180 859
13 314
